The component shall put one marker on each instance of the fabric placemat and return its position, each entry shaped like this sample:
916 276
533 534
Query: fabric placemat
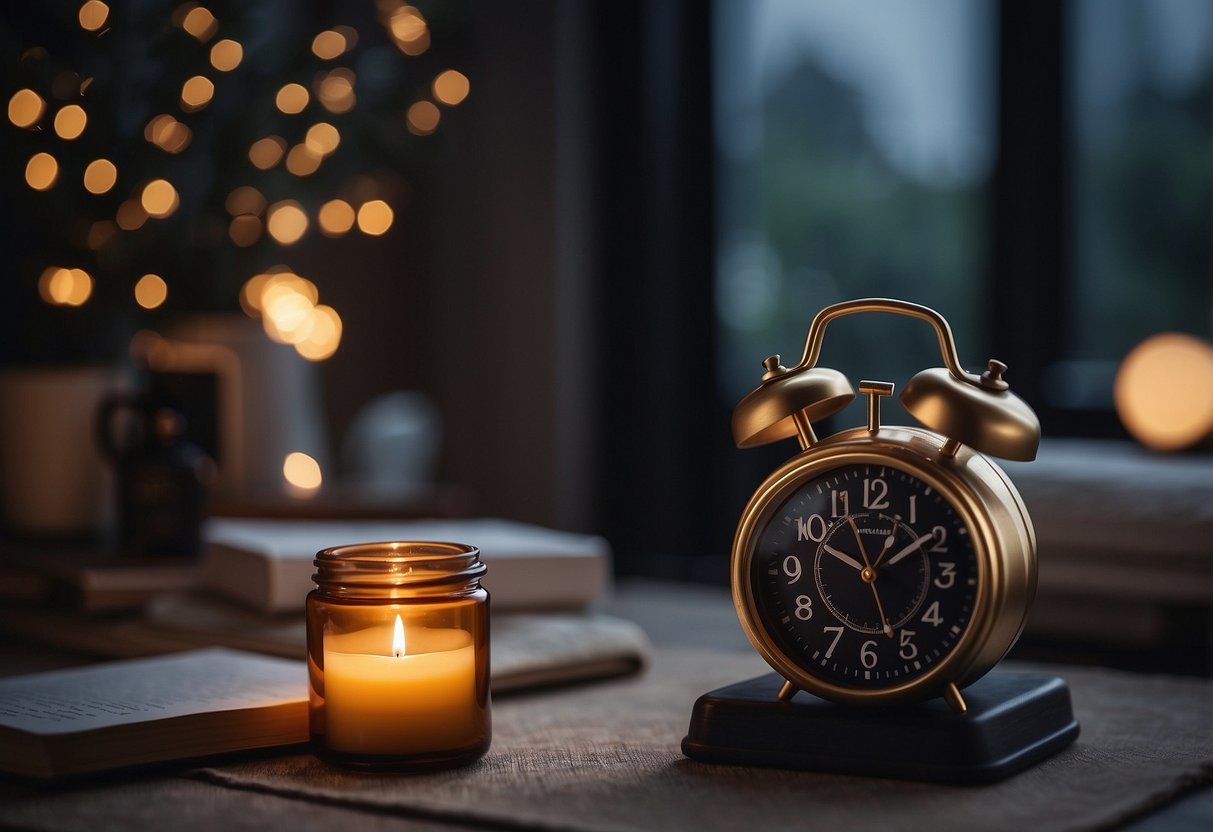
607 757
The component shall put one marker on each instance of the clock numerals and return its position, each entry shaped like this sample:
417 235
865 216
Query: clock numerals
947 575
813 529
837 631
862 602
839 499
875 494
791 568
931 616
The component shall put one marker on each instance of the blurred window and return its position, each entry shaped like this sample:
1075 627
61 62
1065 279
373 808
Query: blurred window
855 145
1141 203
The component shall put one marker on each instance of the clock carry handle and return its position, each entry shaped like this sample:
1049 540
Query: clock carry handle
947 344
968 409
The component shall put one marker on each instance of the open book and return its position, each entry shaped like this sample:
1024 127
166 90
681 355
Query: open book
267 564
150 710
528 649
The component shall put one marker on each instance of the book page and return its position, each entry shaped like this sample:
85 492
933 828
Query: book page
496 539
126 692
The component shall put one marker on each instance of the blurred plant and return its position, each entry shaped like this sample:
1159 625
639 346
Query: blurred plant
172 155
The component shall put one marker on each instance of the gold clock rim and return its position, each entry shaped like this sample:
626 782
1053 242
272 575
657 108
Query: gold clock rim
915 451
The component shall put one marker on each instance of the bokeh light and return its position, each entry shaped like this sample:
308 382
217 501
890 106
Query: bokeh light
226 55
131 216
322 138
451 87
291 314
41 171
25 108
93 15
336 218
244 200
196 93
291 98
423 118
267 152
329 44
375 217
408 29
159 198
168 134
1164 391
335 90
302 160
151 291
65 287
100 176
286 221
200 23
325 335
70 122
301 472
244 229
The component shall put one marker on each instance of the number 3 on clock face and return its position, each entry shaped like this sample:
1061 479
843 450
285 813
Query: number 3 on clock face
865 576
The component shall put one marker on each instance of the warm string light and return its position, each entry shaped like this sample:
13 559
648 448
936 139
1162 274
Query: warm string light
25 108
70 122
226 55
151 291
292 315
302 473
93 15
286 221
100 176
451 87
65 287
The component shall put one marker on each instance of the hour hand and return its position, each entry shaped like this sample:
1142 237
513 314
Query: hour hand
844 557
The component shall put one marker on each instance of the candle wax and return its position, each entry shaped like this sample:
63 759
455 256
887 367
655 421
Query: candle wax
380 703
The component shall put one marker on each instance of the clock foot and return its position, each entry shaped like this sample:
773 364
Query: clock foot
786 692
956 702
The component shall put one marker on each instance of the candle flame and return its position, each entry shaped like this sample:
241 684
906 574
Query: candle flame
398 638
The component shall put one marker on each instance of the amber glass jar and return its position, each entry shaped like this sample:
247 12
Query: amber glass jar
398 656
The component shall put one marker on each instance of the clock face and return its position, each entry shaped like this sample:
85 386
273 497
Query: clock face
864 576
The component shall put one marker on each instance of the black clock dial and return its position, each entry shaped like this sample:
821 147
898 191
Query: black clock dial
864 576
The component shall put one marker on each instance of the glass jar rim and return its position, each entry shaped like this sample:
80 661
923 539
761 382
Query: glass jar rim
399 563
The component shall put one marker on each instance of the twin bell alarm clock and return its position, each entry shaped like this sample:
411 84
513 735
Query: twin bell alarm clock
884 571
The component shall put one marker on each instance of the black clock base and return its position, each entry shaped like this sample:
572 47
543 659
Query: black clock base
1014 721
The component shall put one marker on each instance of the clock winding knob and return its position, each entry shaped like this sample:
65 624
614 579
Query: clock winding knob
992 379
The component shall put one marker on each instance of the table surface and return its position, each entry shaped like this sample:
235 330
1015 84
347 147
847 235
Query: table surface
674 616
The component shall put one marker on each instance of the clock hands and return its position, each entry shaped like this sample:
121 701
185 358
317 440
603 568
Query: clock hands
869 576
909 550
844 557
888 544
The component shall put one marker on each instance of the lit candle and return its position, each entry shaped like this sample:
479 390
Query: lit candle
398 656
388 694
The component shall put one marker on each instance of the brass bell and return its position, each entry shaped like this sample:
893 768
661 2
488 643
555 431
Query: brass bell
982 413
787 402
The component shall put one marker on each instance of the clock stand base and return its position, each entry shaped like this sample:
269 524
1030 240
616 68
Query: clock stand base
1015 720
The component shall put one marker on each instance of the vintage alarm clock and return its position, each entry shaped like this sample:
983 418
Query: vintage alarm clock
885 564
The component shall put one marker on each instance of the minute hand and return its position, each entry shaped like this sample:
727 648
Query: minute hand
909 550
